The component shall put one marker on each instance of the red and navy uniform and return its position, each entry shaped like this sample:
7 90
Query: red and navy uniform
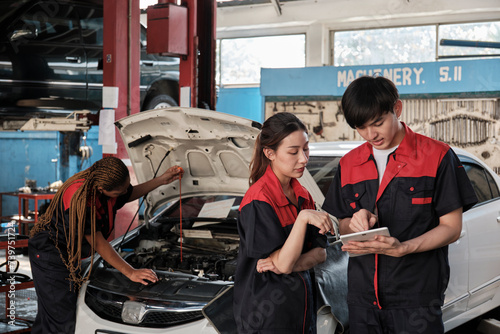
267 302
56 295
423 181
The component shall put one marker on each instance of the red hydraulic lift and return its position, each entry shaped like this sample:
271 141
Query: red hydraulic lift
187 30
121 79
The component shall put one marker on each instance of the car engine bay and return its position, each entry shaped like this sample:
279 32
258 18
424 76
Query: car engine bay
204 254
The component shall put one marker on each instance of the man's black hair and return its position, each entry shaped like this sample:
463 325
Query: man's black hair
368 98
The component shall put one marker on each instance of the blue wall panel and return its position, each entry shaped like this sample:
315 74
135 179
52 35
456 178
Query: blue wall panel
244 102
36 156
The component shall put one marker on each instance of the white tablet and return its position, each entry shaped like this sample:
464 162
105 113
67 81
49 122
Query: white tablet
365 235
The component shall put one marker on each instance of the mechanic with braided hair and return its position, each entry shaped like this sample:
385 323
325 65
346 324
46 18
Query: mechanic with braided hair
76 224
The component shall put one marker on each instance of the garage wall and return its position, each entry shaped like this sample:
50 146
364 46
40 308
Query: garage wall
241 101
471 124
462 110
36 156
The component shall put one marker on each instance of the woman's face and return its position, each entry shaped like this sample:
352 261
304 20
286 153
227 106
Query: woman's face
121 190
291 157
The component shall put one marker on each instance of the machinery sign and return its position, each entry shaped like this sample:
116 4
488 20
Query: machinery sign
444 77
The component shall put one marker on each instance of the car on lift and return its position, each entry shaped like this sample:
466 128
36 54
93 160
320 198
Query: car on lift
51 61
190 238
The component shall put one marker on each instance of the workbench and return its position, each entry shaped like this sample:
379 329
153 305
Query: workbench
23 208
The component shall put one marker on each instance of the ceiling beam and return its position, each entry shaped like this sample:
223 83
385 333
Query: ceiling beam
277 6
366 14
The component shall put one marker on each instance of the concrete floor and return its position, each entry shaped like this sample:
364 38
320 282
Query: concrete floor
25 300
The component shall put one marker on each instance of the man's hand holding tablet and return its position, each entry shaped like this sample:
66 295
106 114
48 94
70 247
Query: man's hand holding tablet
364 236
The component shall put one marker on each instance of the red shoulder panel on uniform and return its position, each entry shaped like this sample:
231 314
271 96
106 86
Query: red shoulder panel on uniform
428 156
68 193
357 167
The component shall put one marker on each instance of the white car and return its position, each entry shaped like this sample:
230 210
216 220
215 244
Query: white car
193 293
215 150
474 287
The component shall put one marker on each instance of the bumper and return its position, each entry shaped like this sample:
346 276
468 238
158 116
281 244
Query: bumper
88 322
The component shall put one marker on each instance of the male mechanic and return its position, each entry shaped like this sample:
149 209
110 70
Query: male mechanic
418 189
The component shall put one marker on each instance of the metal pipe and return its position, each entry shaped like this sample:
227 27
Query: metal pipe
470 44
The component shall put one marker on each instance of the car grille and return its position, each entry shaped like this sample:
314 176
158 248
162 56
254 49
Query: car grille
109 306
171 318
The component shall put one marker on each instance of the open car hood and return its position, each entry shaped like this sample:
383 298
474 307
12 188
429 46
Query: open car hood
213 148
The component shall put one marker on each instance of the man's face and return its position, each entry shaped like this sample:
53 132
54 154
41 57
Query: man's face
384 132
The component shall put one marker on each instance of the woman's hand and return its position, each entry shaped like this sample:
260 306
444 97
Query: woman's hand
264 265
173 173
110 255
319 219
141 275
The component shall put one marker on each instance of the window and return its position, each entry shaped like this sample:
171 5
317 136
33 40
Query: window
494 189
92 31
323 169
384 46
468 34
415 44
240 59
192 206
483 183
57 25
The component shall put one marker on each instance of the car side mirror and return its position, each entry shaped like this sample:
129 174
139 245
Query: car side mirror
29 33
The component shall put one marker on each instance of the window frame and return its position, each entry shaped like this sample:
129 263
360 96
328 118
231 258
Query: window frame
219 56
437 35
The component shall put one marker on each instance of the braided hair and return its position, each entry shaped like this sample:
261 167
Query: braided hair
109 174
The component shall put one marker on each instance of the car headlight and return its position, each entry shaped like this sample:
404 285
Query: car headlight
133 312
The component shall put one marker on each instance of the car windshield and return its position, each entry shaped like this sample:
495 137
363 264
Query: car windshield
201 210
323 169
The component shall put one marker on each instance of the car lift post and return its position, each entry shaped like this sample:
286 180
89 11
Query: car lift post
188 66
206 21
167 23
121 79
